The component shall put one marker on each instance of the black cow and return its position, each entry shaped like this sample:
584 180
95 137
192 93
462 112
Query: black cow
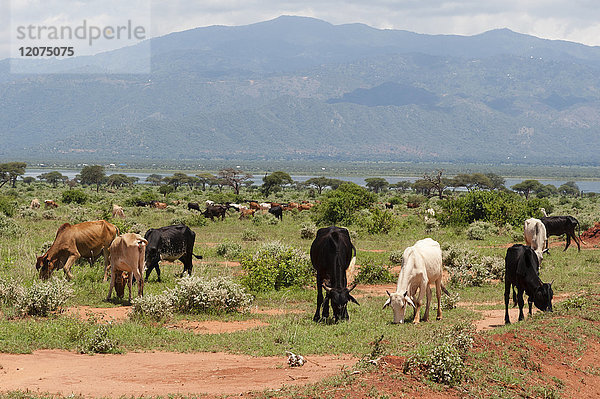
213 211
522 271
559 225
331 253
170 243
277 211
142 203
194 205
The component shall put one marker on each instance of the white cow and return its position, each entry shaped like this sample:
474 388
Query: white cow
117 211
421 266
534 232
35 204
127 254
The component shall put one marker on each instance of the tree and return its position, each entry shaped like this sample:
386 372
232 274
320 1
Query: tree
205 178
570 188
497 181
422 186
401 186
28 180
154 179
274 182
234 178
92 174
9 172
339 205
119 180
166 189
53 177
437 182
177 179
319 183
526 187
377 184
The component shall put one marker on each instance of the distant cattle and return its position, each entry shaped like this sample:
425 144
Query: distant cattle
141 203
305 207
534 233
277 211
158 205
412 204
87 240
127 254
50 204
254 205
389 205
217 211
193 205
421 267
170 243
331 254
35 204
559 225
117 211
246 213
522 272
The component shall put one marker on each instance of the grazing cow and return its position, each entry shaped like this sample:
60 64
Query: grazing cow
127 253
522 272
254 205
170 243
87 239
277 211
217 211
194 205
117 211
209 203
35 204
292 205
304 207
246 213
50 204
142 203
389 205
421 267
265 205
412 204
331 254
534 232
559 225
158 205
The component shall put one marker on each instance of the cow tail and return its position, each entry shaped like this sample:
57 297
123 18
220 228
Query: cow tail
445 290
579 233
197 256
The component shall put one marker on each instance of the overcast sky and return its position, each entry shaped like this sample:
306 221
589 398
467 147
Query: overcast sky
573 20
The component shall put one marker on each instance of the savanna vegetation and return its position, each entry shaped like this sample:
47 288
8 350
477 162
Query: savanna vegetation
263 263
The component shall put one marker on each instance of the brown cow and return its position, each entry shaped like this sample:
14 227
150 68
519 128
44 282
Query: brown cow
127 254
35 204
305 207
50 204
254 205
87 239
244 213
158 205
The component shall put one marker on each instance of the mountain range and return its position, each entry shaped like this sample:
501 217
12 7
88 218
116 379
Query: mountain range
301 88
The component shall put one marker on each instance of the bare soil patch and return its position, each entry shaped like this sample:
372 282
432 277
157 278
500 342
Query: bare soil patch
115 314
158 373
215 326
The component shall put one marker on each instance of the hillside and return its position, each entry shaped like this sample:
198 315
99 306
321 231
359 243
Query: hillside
300 88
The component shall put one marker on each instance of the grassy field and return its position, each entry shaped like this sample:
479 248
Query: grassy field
573 274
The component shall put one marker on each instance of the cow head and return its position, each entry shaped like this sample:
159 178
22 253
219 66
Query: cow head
44 266
543 297
339 301
398 303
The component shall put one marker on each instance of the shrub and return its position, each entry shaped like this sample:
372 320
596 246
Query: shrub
155 307
8 227
396 256
27 213
479 230
468 268
431 224
381 221
74 196
11 292
274 266
339 206
8 206
195 220
98 340
77 215
229 250
450 302
445 365
308 231
44 297
49 214
220 294
373 273
264 218
250 235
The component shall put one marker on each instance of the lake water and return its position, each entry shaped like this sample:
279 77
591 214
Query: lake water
585 185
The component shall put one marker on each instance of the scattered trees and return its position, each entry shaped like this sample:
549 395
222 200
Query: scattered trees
92 175
53 178
234 178
377 184
274 182
9 172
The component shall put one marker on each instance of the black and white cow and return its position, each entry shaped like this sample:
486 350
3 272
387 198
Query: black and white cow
522 272
331 254
170 243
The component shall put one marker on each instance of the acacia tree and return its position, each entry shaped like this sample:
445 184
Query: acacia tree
92 174
274 182
377 184
120 180
204 179
570 188
437 182
319 183
234 178
154 179
526 187
9 172
53 177
178 179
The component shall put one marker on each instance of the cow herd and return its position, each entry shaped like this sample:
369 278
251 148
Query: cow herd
332 255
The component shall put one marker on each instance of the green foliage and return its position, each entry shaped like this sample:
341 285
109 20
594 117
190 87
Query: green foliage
98 340
498 208
74 196
219 294
469 268
8 206
11 292
308 231
264 219
250 235
371 272
275 266
229 250
44 297
146 196
450 302
8 227
396 256
480 230
154 307
192 220
338 206
381 221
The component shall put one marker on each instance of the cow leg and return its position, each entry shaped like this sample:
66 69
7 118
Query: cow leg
419 302
438 294
187 263
317 315
67 267
428 299
113 276
326 307
576 241
129 283
506 300
530 303
521 303
106 262
568 241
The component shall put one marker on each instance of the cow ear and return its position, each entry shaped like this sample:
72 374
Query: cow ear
328 289
387 303
353 299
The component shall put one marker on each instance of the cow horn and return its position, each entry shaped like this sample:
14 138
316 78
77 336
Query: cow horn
328 289
410 302
353 299
552 282
352 287
390 295
387 303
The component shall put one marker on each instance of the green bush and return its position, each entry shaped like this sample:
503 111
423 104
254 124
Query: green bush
396 256
44 297
154 307
229 250
338 206
467 268
219 294
11 292
8 227
250 235
264 218
146 196
480 230
8 206
381 221
74 196
98 340
274 266
373 273
308 231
